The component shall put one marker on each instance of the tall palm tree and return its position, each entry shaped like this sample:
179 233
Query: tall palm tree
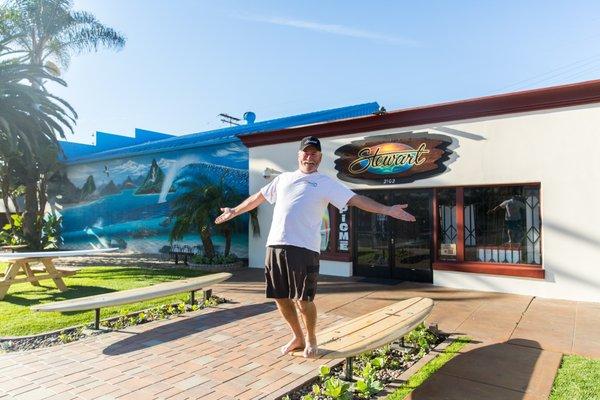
49 32
30 120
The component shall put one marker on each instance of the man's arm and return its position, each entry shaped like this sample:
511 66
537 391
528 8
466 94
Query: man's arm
249 204
370 205
501 205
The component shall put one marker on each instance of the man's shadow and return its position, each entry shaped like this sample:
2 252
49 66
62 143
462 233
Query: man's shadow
496 371
184 327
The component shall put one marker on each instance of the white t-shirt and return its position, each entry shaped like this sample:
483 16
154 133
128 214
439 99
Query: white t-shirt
300 200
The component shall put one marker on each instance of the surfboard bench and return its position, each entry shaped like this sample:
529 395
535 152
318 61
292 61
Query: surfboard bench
372 330
129 296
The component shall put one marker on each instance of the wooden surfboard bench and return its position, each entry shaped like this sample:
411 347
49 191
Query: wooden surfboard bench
129 296
371 330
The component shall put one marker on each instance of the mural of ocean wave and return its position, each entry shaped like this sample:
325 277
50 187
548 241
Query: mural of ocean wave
128 202
235 178
125 206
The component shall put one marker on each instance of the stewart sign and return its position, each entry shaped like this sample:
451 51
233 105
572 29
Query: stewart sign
393 159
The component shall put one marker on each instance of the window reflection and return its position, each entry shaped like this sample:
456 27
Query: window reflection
447 228
502 224
326 229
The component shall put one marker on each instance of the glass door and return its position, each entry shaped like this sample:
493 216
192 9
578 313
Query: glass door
372 240
412 241
390 248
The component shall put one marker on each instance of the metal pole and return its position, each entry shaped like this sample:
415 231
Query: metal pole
348 369
97 319
207 294
192 297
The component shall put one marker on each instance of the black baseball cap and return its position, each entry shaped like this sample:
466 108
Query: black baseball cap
310 141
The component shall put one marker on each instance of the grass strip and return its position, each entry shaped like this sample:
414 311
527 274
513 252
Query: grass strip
16 319
578 378
429 369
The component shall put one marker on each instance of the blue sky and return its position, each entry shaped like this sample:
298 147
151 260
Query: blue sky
186 61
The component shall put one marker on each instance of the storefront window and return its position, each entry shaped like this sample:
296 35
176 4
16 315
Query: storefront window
502 224
447 228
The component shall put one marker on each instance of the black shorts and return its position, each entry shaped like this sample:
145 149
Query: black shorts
291 272
513 225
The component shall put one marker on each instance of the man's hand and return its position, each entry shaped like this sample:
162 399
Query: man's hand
398 212
227 214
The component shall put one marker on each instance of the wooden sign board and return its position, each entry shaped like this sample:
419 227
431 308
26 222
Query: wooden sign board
393 159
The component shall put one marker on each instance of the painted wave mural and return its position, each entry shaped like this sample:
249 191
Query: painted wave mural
127 203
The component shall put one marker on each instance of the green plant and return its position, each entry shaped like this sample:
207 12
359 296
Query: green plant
421 339
336 389
324 371
216 259
65 337
51 229
141 318
368 384
366 387
12 234
378 362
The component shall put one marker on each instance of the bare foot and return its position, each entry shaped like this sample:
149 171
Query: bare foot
294 344
310 351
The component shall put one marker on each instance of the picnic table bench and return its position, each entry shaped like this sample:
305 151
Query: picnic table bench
129 296
371 330
20 264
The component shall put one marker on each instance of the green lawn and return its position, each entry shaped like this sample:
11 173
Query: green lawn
578 378
429 369
17 320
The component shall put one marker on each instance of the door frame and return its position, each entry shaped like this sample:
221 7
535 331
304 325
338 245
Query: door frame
391 240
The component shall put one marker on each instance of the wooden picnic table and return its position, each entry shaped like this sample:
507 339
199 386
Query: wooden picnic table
13 247
20 267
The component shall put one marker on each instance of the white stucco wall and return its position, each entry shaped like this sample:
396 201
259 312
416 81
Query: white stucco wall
557 148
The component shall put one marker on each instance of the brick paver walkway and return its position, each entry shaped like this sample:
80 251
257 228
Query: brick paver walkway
231 352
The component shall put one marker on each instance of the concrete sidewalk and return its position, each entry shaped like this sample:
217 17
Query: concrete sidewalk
231 352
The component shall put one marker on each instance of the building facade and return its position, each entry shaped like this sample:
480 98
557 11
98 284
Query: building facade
503 189
128 192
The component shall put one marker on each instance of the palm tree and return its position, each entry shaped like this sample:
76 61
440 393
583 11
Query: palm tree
30 120
198 206
48 32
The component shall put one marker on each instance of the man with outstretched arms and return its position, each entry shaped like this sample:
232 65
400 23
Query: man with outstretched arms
293 245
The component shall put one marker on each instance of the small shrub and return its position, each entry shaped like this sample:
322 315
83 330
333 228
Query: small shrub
217 259
421 339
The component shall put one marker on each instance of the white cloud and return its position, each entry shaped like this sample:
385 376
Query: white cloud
334 29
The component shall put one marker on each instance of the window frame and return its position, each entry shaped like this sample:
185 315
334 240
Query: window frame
461 265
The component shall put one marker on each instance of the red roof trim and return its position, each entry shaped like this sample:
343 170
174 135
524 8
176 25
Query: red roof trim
517 102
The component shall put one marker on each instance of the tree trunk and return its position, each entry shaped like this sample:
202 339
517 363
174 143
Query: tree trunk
209 248
32 235
5 189
227 234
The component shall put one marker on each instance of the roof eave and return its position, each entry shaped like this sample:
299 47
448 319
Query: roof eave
510 103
